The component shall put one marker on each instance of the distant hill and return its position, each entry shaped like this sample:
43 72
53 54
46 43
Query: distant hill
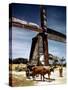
18 61
52 60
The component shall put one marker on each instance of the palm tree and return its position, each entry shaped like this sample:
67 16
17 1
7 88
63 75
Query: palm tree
55 61
62 60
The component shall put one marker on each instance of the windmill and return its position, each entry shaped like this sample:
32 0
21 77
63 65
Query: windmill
39 47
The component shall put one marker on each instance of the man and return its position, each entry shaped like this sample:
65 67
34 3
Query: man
60 70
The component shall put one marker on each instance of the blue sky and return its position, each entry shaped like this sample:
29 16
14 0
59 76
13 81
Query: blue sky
22 38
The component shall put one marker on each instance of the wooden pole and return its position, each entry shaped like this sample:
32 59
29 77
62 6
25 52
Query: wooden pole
44 31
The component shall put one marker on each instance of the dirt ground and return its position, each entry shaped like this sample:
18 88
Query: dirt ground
20 79
55 78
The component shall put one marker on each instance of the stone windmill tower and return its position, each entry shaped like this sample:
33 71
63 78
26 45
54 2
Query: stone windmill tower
39 47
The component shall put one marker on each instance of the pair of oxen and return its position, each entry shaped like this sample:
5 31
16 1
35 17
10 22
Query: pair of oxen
35 71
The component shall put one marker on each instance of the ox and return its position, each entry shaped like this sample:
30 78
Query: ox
29 70
42 70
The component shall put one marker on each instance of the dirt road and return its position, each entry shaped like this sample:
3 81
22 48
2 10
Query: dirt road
55 79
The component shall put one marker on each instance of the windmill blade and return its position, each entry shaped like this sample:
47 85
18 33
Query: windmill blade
56 36
24 24
52 34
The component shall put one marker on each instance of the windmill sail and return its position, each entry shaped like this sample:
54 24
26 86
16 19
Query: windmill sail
52 34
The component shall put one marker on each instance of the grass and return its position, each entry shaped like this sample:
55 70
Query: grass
13 66
19 80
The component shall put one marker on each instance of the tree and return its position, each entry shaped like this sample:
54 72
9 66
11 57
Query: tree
62 60
55 61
